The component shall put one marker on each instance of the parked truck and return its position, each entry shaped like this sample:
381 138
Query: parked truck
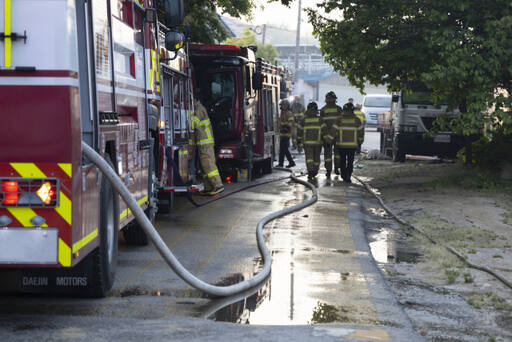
241 94
403 129
93 71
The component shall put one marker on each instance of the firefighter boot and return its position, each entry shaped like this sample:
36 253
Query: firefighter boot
336 170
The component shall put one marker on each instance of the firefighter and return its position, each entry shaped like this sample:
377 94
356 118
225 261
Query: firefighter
310 133
362 117
348 135
330 113
285 132
203 139
298 114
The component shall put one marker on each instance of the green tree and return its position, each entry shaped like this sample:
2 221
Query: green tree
265 51
459 49
201 16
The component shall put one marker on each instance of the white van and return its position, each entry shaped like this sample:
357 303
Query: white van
374 104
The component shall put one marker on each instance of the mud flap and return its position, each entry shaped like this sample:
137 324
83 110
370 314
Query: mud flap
74 281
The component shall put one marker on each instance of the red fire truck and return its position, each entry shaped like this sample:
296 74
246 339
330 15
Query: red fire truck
241 94
73 71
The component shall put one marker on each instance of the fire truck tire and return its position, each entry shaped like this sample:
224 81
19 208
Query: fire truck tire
104 258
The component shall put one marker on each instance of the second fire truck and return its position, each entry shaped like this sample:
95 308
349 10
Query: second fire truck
241 94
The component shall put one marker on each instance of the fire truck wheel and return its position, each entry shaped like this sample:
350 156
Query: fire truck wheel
105 256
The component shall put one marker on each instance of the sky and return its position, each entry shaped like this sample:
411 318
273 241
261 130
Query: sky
279 15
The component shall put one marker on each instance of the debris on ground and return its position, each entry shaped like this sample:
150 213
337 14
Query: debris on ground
468 210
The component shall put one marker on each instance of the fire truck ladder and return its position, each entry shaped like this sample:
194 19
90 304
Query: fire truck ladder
171 122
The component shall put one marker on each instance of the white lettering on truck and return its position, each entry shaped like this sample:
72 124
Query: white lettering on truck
35 281
71 281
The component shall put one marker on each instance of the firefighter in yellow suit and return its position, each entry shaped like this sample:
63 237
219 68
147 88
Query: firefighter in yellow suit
362 117
348 136
298 114
310 133
285 133
203 139
330 113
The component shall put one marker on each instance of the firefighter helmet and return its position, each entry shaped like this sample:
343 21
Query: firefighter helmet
349 107
284 104
312 105
330 96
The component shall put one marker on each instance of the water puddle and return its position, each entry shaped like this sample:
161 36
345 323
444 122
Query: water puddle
388 246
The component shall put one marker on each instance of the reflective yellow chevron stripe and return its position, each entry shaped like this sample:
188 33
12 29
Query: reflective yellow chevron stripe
23 215
66 167
64 254
64 208
85 240
28 170
127 211
7 33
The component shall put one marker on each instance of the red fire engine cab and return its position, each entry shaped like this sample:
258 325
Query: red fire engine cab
241 94
73 71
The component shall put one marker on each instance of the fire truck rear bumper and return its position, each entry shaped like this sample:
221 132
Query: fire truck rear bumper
29 246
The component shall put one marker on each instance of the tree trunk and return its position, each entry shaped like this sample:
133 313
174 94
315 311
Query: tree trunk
469 150
463 107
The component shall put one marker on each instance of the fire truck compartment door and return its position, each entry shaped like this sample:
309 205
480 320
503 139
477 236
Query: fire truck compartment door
29 246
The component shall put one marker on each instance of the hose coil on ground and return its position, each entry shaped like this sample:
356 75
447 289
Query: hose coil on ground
170 258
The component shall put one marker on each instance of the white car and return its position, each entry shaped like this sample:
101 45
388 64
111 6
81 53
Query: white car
374 104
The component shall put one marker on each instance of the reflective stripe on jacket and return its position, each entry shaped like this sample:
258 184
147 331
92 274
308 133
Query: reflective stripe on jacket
330 113
285 124
347 131
202 126
311 130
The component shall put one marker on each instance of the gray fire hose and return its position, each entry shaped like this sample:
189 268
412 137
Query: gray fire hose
169 257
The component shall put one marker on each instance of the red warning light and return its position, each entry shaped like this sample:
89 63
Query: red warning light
11 192
228 179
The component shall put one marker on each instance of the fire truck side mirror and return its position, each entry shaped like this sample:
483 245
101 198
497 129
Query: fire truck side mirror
257 81
174 40
174 12
150 15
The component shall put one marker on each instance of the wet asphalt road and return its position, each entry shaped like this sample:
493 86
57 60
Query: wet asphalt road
323 272
371 139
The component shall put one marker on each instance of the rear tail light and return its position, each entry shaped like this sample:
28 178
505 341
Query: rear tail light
33 193
46 192
11 192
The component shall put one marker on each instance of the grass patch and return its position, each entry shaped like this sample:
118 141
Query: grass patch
468 278
471 179
459 237
488 299
451 274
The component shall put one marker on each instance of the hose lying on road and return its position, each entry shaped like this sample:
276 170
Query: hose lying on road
191 199
169 257
431 239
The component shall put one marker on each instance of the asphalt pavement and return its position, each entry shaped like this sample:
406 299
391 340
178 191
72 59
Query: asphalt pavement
324 283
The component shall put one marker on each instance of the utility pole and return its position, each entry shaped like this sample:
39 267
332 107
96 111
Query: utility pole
263 34
297 42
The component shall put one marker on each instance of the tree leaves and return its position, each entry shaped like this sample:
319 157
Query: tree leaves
461 49
265 51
